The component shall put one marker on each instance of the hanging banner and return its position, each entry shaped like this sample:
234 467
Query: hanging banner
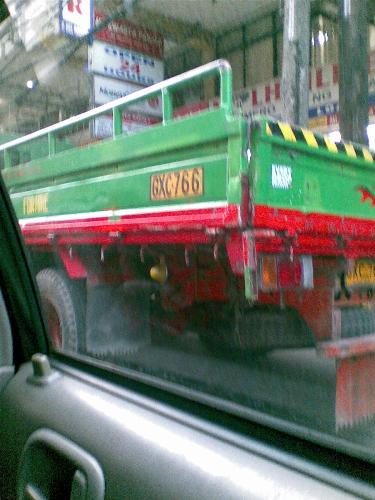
265 99
125 64
123 33
76 17
108 89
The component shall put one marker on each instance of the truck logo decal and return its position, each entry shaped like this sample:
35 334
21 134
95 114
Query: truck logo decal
367 195
281 176
35 204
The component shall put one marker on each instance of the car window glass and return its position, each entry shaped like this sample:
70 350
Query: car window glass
183 231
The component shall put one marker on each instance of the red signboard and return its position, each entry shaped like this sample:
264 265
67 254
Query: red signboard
123 33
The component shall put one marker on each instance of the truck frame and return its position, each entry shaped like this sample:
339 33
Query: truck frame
257 236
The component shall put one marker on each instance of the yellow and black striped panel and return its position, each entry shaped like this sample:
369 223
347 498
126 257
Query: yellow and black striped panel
297 134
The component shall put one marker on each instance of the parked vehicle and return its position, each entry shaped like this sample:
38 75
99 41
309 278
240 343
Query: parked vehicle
257 236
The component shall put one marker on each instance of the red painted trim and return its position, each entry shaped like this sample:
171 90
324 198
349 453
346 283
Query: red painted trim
275 230
294 221
135 238
193 220
314 234
79 239
234 247
72 262
165 237
347 348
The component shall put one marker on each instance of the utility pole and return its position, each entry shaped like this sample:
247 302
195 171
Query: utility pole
353 70
295 68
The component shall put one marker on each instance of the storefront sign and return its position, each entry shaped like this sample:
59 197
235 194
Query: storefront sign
108 89
323 97
76 17
259 100
125 64
123 33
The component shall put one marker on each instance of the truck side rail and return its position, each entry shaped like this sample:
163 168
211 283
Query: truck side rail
220 68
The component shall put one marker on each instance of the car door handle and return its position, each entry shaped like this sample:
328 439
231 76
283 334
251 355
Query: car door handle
53 466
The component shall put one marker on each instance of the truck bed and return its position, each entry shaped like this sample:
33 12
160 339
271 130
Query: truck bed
191 175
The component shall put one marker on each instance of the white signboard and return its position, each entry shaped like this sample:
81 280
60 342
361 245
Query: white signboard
76 17
260 100
131 122
108 89
125 64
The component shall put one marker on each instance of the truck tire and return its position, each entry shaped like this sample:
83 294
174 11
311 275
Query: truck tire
258 331
63 303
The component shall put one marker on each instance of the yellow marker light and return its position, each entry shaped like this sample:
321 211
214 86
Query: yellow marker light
159 273
269 273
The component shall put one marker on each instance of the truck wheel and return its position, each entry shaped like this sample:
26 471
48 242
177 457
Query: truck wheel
63 304
257 330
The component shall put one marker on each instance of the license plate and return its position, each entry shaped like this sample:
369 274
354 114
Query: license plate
172 185
363 274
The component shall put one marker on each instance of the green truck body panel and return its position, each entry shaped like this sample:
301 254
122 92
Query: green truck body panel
289 168
322 182
28 152
115 174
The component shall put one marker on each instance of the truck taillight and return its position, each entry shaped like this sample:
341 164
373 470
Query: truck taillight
268 270
283 273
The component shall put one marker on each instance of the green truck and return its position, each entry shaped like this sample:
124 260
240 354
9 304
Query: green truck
257 236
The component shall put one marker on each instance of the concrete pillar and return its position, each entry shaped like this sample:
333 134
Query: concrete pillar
295 70
353 68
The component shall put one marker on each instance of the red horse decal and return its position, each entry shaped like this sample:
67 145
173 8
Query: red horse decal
367 195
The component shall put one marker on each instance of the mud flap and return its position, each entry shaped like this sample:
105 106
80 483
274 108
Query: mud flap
118 318
355 389
355 378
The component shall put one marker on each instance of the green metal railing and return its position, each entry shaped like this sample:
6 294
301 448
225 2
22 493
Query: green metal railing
165 89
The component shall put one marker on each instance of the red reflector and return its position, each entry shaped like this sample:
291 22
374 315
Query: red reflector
289 273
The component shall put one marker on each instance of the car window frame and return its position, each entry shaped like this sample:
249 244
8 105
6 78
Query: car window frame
20 293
